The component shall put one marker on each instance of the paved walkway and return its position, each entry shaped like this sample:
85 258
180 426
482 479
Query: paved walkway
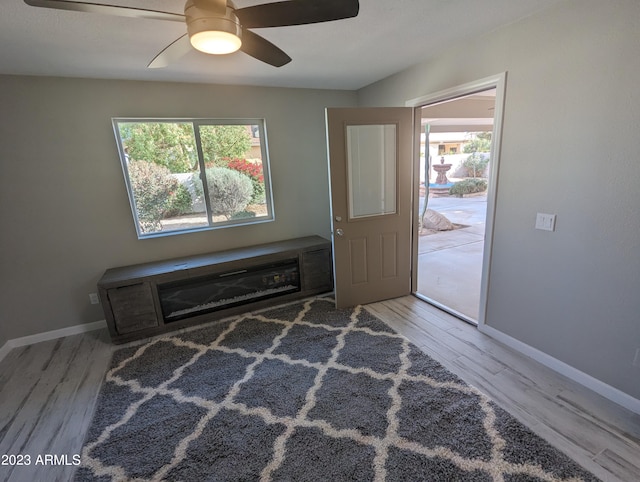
450 262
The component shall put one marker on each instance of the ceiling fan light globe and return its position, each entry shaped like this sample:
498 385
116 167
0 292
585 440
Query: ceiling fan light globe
215 42
211 32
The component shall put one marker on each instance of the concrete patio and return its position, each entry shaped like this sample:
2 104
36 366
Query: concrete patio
450 262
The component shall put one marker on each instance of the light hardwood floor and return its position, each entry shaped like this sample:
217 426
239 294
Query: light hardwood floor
48 393
597 433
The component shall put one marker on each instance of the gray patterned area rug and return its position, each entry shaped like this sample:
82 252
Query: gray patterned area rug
303 392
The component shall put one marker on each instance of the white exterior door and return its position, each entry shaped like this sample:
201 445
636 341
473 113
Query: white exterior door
370 160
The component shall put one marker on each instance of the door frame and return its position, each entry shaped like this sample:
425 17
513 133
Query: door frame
498 82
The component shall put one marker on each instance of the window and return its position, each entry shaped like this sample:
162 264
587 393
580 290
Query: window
192 174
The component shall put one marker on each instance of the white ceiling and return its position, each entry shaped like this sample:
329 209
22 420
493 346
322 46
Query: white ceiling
386 37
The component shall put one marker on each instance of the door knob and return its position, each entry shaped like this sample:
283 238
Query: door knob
339 232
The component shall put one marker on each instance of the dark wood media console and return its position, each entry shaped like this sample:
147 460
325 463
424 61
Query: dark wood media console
148 299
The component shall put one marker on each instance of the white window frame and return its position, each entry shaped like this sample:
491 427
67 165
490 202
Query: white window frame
197 122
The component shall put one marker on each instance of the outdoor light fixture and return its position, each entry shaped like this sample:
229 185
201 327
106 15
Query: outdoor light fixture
211 33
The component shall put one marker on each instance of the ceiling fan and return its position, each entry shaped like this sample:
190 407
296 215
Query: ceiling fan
218 27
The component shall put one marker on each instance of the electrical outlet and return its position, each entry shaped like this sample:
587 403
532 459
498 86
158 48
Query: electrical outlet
93 298
546 222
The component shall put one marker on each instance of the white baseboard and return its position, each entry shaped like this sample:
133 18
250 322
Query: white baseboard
6 348
607 391
50 335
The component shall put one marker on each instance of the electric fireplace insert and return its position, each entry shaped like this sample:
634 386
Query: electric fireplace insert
205 294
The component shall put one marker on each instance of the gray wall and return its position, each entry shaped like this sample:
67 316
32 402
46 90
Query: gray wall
572 111
64 211
570 147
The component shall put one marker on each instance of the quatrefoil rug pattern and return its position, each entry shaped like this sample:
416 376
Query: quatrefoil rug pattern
303 392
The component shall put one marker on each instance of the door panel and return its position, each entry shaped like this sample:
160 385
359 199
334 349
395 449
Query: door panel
358 257
389 250
370 160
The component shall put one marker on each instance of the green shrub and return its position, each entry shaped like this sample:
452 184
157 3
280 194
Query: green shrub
254 171
152 186
468 186
258 196
244 215
476 164
229 191
180 202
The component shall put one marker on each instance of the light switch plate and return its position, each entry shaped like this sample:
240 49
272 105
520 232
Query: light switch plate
546 222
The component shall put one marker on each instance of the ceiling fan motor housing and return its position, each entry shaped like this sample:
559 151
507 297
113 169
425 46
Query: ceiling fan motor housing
201 22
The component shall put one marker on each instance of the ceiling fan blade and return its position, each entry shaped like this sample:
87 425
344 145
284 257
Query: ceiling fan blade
296 12
260 48
171 53
106 9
